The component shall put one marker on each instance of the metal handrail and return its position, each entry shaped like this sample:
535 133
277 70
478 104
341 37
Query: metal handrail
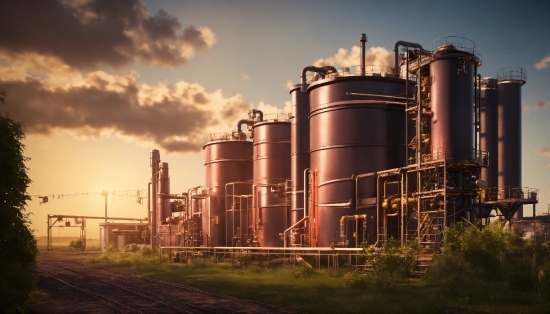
479 156
512 73
275 117
216 137
459 43
511 192
370 70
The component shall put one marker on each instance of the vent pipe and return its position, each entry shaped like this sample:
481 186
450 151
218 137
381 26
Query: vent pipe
252 115
241 122
396 52
321 70
363 40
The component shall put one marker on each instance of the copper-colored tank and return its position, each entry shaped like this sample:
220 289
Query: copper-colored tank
228 159
452 93
354 129
299 155
271 171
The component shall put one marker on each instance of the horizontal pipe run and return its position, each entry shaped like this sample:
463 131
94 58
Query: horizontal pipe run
378 95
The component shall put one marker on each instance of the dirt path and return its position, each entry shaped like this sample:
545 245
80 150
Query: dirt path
73 287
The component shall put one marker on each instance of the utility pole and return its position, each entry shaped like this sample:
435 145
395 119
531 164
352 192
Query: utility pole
104 193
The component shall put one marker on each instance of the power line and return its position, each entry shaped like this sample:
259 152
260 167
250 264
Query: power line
139 194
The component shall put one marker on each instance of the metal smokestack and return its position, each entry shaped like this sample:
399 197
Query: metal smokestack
363 40
163 202
154 162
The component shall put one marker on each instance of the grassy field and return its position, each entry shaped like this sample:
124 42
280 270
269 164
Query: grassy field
328 291
62 243
488 271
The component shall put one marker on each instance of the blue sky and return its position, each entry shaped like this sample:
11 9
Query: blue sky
242 55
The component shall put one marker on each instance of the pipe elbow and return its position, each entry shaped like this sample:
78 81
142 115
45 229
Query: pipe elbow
396 52
260 113
240 123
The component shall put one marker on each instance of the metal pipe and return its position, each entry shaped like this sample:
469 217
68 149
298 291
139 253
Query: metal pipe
306 188
342 227
244 121
253 113
292 227
396 53
321 70
377 95
363 40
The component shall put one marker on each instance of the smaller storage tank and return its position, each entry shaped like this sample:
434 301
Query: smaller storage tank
271 172
489 129
228 159
509 83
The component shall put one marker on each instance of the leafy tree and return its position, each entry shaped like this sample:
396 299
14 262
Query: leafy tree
18 249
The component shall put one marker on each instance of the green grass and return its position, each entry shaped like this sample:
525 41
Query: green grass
328 291
62 243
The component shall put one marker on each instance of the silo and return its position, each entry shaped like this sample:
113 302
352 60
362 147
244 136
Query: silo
489 129
228 159
509 82
357 126
452 75
271 171
299 155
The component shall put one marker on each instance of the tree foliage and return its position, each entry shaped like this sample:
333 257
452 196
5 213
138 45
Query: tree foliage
470 255
18 249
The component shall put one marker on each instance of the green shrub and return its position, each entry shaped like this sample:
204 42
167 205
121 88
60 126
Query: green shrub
354 279
77 244
112 247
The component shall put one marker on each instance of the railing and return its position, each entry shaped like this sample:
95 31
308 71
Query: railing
465 155
512 73
355 70
511 192
459 44
274 117
215 137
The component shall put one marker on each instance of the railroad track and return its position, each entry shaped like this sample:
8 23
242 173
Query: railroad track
128 293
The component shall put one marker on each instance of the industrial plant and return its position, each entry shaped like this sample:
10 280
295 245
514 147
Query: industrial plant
368 153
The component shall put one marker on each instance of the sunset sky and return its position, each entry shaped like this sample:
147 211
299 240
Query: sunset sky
101 83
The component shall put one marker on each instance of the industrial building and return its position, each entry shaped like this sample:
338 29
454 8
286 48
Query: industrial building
368 152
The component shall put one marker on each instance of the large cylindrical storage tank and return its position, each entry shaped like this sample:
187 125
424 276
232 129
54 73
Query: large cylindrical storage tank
299 153
271 171
488 136
355 128
228 159
510 81
452 93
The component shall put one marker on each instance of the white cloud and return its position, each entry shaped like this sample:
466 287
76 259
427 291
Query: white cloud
375 57
544 152
543 64
49 97
288 85
244 77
